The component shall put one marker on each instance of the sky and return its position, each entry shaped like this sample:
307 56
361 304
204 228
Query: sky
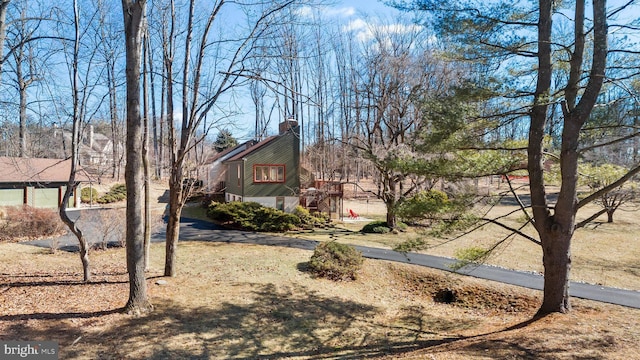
357 17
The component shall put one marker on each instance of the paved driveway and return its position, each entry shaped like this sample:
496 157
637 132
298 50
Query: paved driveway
198 230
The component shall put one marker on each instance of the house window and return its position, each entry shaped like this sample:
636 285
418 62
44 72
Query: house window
280 203
239 182
268 173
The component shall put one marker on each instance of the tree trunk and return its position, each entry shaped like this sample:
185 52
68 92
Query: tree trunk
75 145
3 30
173 224
390 202
138 303
556 259
113 112
610 215
83 246
23 113
145 163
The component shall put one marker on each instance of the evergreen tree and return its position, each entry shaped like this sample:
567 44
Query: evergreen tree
225 140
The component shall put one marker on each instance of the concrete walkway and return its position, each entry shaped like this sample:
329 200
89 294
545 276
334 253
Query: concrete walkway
198 230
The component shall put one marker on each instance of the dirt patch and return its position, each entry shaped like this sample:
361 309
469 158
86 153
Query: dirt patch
463 292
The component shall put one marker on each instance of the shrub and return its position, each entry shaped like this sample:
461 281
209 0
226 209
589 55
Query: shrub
424 205
87 195
376 227
118 192
270 219
411 245
26 222
252 216
109 230
308 220
471 255
335 261
231 212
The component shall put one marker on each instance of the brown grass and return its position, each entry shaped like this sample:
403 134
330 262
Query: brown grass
232 301
603 253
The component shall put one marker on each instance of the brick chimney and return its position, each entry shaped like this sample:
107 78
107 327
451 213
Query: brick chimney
287 125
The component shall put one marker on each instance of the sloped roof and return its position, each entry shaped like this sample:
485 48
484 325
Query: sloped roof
37 170
253 148
221 155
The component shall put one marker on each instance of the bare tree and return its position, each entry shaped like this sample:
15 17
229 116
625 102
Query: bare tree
198 100
134 13
145 154
400 72
4 6
111 51
75 143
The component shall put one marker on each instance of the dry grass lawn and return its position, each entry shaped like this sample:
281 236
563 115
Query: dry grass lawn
232 301
602 253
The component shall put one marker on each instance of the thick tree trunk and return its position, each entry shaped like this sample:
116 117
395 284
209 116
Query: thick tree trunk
556 259
138 303
390 202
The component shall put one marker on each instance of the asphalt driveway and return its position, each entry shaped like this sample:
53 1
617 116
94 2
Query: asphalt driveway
198 230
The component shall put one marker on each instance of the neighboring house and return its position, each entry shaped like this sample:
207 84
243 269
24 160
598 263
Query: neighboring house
267 172
37 182
216 169
95 149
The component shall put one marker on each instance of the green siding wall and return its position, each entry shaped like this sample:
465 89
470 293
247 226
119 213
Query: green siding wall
40 197
282 150
46 198
11 197
231 181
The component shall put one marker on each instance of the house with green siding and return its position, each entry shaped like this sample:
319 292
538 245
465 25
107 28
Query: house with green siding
36 182
267 172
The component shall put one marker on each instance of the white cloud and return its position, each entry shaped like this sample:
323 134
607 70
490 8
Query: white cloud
356 25
364 30
347 11
326 11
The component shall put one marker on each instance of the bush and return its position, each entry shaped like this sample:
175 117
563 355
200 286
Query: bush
376 227
336 261
25 222
88 195
270 219
118 192
252 216
308 220
424 205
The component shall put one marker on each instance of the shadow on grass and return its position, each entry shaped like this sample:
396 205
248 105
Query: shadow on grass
265 322
572 344
36 284
57 316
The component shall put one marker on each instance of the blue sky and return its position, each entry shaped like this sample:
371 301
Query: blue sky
356 16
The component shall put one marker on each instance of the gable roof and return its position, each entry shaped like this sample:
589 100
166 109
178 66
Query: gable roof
228 151
37 170
253 148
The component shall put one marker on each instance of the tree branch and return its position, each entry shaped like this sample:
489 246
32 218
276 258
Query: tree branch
609 187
